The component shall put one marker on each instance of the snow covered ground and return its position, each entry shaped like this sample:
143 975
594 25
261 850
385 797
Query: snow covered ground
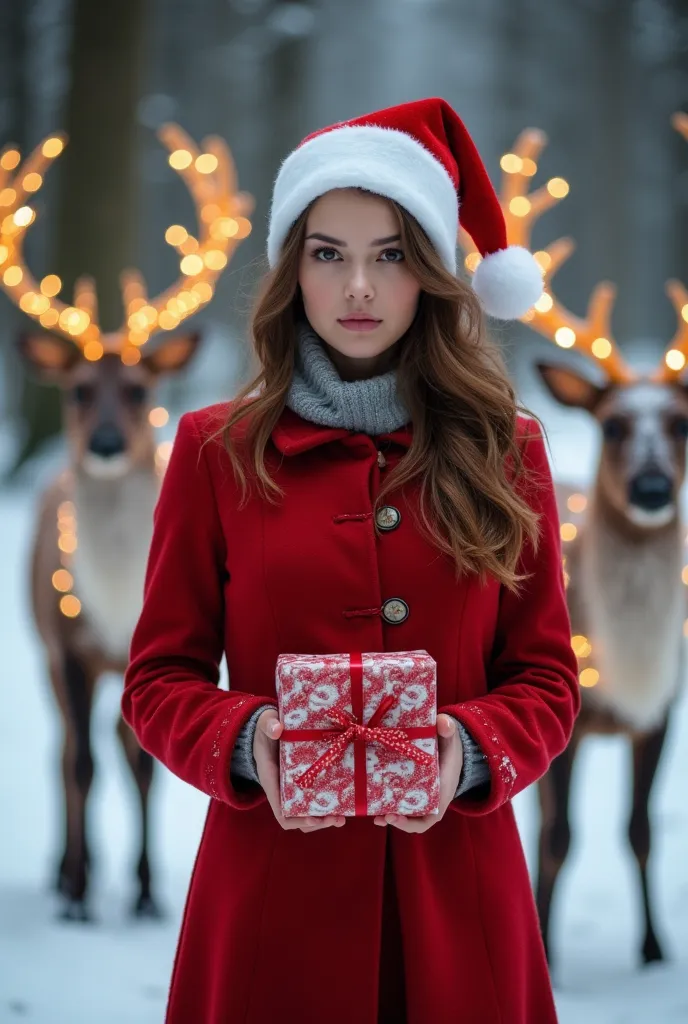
117 971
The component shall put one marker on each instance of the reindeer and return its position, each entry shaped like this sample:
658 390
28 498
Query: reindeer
623 543
95 520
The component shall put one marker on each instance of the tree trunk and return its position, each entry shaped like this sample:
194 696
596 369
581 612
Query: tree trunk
679 77
13 61
95 216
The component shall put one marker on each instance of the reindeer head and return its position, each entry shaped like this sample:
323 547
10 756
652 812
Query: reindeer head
107 404
107 379
644 427
643 419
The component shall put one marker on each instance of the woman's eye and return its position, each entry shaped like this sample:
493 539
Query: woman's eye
392 256
326 255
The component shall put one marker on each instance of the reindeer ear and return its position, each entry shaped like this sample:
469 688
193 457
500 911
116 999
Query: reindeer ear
570 388
48 355
173 354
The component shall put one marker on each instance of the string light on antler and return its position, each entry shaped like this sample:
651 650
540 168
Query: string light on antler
677 352
522 208
223 219
590 335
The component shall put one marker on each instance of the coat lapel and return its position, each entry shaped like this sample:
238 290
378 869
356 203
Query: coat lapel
293 435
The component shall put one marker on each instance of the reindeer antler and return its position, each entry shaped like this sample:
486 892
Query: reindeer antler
548 316
674 360
222 214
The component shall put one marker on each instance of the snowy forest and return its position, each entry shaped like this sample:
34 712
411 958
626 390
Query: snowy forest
603 79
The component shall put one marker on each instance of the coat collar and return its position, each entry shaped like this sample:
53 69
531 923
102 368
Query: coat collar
293 435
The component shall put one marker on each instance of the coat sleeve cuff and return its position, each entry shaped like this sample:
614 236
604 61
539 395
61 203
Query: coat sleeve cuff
243 763
485 798
220 783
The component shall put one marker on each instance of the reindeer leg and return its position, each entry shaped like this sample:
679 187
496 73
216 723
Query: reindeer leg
141 764
77 774
647 750
555 833
69 792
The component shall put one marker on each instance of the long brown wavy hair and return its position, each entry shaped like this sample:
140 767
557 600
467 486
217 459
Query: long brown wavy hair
464 456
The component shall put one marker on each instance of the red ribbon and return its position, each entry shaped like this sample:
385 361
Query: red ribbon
350 728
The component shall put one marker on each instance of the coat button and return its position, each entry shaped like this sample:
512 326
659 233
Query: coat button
395 611
388 517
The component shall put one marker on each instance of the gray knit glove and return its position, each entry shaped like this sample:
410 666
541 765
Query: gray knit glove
243 763
475 771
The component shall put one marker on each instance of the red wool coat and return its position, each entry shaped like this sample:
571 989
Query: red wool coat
301 927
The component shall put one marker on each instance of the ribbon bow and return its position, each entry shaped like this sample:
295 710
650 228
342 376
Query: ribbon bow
349 729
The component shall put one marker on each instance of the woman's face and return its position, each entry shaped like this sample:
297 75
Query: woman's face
358 292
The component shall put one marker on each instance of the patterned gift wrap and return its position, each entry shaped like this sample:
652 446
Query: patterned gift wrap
360 735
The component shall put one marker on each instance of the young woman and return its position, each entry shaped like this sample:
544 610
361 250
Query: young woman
375 488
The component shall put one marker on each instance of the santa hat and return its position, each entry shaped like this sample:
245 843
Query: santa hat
420 155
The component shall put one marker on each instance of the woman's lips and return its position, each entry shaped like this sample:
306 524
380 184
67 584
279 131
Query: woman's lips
360 324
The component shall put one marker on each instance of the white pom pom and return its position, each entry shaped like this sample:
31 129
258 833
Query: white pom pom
508 282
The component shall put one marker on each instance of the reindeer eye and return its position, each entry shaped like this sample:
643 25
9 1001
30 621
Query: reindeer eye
679 426
614 429
83 394
135 394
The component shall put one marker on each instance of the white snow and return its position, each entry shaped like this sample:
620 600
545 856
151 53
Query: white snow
116 971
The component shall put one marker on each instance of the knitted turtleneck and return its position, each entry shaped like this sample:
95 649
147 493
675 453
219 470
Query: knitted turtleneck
318 393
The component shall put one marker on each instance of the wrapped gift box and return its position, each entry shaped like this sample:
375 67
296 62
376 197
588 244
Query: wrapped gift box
360 735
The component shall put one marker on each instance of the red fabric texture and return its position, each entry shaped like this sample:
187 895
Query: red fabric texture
290 925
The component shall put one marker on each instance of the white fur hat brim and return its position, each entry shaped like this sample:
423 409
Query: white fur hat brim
381 160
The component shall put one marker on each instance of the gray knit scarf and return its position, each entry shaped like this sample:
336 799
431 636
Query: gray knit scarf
317 392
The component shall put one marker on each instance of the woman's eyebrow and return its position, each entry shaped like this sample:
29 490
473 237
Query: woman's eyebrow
338 241
326 238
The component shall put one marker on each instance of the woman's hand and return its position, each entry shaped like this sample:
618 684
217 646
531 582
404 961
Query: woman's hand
266 752
451 762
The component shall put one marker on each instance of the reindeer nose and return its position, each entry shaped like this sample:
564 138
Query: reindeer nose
106 440
650 491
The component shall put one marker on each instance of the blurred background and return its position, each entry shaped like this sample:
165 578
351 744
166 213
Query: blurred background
602 78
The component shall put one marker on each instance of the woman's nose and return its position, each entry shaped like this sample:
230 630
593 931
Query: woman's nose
359 285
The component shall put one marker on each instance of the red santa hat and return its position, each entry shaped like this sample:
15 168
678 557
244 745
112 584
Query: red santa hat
420 155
